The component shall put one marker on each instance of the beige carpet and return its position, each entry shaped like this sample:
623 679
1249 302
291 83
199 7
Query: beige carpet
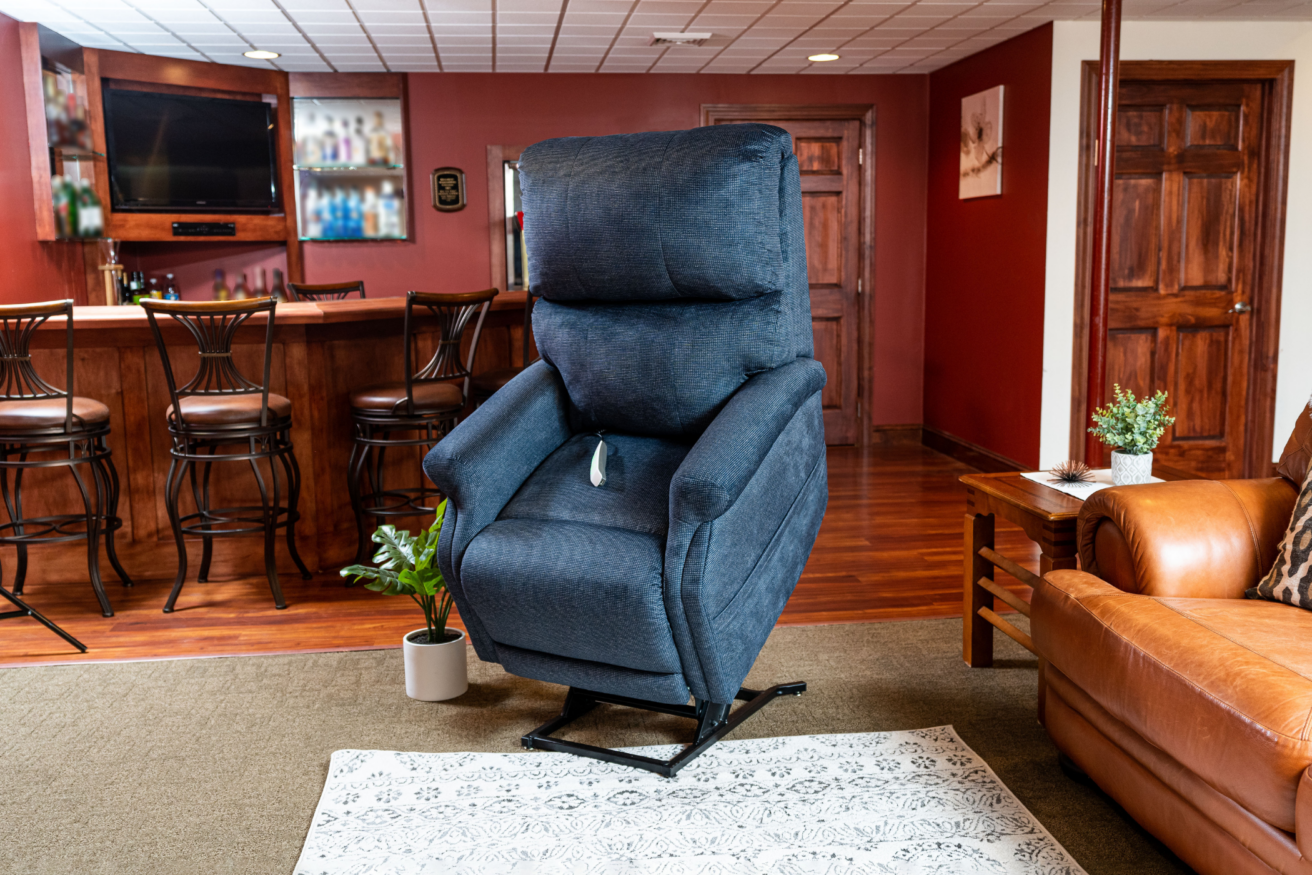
215 765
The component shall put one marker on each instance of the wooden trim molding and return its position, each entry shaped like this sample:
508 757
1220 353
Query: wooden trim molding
1277 78
865 113
347 85
496 205
970 453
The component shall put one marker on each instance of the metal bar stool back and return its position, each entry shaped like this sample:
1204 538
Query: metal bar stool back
416 412
222 408
42 426
325 291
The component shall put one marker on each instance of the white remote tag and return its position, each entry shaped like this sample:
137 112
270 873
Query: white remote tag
599 465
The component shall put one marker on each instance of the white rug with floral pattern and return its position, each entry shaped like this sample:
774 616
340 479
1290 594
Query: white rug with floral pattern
887 803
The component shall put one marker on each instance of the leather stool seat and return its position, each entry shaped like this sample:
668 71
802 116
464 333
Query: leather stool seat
38 414
390 397
486 384
229 410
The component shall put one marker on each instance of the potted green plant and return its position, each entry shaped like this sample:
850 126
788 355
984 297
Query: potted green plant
406 564
1132 428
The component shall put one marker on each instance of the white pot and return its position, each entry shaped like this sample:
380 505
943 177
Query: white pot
1128 470
434 672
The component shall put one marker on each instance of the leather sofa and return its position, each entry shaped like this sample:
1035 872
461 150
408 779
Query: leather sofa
1186 702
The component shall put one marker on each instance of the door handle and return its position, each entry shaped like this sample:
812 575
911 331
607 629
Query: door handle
1240 307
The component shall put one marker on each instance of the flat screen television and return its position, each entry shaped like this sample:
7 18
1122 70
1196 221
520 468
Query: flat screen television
174 152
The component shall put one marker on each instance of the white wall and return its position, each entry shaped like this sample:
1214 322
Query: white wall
1077 41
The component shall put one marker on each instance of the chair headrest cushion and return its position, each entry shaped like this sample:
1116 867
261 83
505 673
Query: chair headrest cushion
659 216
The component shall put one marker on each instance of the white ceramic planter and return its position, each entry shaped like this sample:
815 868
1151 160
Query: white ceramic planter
1128 470
434 672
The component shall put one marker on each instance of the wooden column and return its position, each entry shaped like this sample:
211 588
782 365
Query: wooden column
1109 65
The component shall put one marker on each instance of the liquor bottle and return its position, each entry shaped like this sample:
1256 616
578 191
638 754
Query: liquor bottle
137 286
259 290
279 291
369 207
311 144
124 288
241 291
220 286
329 146
154 290
74 208
354 214
171 288
379 142
359 144
90 215
345 146
389 212
59 202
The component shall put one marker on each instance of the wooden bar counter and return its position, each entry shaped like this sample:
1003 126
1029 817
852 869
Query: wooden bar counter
321 352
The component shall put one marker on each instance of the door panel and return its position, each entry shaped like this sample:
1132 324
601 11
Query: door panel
1183 218
830 167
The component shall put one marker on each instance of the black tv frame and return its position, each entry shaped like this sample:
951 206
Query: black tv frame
273 207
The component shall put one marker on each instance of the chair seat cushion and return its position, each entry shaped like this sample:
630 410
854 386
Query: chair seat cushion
1223 686
36 414
636 496
232 410
575 590
390 397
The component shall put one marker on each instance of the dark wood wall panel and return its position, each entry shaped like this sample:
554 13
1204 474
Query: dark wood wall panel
819 155
1213 127
1141 127
829 349
822 214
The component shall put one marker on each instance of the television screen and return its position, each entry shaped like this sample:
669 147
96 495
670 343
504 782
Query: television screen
176 152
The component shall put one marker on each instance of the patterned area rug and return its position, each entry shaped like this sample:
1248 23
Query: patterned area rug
886 803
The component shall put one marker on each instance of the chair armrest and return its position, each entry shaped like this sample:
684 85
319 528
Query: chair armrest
1188 539
730 451
483 461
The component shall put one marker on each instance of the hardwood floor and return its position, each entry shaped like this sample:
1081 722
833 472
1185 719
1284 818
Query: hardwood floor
889 549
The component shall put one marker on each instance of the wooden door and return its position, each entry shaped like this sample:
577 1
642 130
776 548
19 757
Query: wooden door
830 158
1185 260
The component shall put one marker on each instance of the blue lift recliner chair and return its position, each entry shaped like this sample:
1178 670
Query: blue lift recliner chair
674 324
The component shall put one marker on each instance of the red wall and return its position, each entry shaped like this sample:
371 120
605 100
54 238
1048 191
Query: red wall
29 271
985 258
455 116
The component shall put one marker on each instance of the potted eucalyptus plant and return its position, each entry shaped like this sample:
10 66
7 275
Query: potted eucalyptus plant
406 564
1132 427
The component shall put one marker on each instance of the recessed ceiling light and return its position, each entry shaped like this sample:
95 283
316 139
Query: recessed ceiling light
261 55
824 57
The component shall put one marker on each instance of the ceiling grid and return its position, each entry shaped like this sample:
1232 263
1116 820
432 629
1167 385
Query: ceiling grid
586 36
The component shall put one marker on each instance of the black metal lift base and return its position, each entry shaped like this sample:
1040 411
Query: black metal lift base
713 723
26 610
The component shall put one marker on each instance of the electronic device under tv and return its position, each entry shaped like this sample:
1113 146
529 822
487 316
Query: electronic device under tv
178 153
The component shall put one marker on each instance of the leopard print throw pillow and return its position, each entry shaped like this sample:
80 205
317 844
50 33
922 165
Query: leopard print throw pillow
1290 579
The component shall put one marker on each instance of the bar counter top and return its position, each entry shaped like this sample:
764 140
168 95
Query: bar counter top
321 353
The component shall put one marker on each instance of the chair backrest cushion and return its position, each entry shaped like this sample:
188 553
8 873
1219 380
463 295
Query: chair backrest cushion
671 267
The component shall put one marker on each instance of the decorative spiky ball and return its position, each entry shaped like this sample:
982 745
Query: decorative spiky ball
1071 472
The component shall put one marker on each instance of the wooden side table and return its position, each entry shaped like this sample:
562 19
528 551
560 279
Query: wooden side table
1048 518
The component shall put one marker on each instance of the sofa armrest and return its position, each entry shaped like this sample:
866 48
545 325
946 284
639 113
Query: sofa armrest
734 445
1189 538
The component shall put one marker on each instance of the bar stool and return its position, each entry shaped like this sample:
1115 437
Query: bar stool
324 291
217 408
45 427
483 386
426 405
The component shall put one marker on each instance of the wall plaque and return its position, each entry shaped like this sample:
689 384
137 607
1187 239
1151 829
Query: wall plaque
448 189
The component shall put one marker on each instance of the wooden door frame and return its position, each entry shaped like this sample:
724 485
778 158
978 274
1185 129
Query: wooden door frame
496 208
713 113
1277 79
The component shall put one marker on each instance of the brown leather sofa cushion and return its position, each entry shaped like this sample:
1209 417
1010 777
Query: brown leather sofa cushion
38 414
1298 452
230 410
1190 538
1223 686
390 397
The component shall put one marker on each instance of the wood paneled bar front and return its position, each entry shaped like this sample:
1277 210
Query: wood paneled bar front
322 352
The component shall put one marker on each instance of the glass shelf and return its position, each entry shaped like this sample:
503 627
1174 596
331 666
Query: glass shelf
348 168
76 153
350 239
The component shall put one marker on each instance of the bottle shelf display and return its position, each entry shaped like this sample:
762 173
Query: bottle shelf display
78 210
350 168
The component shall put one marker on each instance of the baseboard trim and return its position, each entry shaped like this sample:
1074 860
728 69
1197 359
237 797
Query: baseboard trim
964 451
895 435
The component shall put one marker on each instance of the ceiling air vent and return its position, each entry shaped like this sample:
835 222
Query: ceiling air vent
678 39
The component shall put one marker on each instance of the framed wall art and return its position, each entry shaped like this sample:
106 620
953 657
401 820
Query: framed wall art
981 144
